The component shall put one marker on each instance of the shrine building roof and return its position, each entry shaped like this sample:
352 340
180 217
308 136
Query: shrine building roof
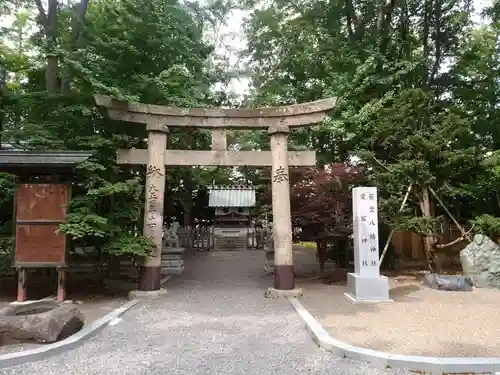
231 196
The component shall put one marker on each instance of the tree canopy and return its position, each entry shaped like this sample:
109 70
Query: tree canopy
417 82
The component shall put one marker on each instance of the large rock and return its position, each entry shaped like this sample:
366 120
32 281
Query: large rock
481 262
44 321
453 283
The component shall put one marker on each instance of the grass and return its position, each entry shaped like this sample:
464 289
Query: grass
307 245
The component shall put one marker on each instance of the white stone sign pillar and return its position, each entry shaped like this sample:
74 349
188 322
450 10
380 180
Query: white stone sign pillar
366 284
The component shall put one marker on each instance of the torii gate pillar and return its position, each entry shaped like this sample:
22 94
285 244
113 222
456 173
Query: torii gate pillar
149 278
284 276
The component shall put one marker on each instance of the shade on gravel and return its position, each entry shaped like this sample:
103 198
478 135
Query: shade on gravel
215 320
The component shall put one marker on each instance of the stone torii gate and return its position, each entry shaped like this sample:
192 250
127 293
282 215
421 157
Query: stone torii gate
278 121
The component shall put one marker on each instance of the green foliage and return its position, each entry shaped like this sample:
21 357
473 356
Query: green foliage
6 244
425 226
155 52
83 223
135 247
307 245
417 88
7 187
487 224
90 222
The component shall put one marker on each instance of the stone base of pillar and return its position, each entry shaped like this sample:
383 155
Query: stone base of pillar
141 294
284 277
149 278
172 262
363 289
279 293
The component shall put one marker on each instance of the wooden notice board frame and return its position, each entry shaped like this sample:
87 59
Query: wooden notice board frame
38 229
34 167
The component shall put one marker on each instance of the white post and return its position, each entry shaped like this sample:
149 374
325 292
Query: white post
366 284
365 216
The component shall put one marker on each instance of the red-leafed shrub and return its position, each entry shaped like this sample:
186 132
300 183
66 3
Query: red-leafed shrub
322 197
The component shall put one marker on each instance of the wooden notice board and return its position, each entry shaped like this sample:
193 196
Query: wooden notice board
40 208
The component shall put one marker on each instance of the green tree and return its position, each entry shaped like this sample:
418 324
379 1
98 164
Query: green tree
152 52
392 66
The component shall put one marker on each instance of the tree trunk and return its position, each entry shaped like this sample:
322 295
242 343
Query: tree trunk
429 241
77 25
322 251
3 90
51 74
49 24
52 58
188 209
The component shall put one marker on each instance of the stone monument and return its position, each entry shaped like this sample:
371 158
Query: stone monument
172 262
366 284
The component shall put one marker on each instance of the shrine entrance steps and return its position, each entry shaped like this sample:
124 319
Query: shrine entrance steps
230 243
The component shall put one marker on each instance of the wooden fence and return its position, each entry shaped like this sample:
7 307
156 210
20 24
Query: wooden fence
202 237
409 246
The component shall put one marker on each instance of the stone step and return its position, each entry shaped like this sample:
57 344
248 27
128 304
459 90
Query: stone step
172 270
171 256
230 243
173 250
172 263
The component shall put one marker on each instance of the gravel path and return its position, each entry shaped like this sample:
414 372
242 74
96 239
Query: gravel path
214 320
421 321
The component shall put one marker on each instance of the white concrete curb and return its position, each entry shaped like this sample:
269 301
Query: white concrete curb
389 360
33 355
